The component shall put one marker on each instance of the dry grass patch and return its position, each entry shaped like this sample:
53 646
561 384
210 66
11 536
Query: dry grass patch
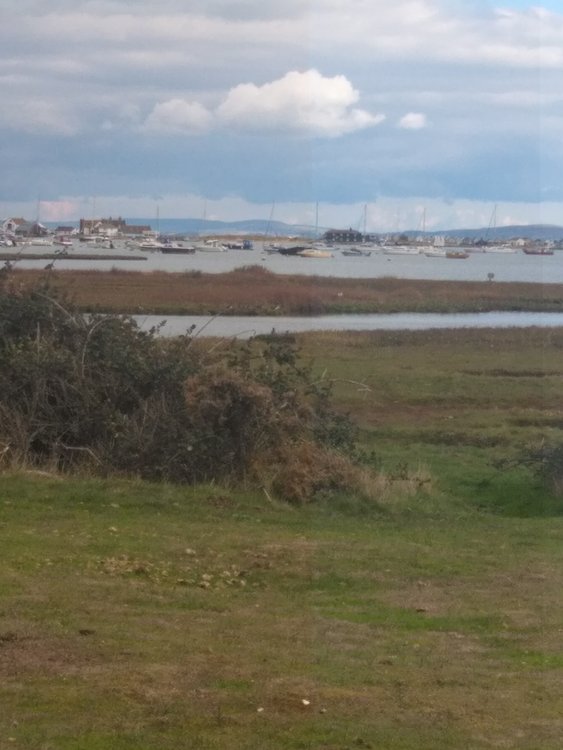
254 290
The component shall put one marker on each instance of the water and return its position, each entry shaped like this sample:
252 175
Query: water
247 326
505 267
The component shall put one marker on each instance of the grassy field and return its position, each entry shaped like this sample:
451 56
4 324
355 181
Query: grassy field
148 617
456 402
256 291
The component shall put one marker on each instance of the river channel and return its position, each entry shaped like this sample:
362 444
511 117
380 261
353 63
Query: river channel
479 266
245 327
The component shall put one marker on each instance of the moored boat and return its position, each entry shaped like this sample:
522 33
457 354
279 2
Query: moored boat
457 254
293 249
313 252
537 250
356 252
210 246
41 241
499 249
243 245
176 247
62 240
401 250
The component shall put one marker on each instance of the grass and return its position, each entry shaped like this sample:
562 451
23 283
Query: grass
146 616
255 291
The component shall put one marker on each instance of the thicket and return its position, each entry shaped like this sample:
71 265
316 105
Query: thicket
95 392
545 461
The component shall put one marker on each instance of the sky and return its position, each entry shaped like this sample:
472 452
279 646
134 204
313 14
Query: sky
398 115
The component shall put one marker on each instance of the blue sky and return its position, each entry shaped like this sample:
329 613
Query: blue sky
553 5
441 107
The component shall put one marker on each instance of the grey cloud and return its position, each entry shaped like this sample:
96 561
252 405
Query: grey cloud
73 69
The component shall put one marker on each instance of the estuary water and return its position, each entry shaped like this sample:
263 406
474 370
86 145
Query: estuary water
479 266
245 327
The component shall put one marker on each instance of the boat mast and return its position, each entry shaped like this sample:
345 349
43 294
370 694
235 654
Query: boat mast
492 222
204 219
270 219
422 223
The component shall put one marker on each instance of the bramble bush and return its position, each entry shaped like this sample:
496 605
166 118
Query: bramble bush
546 463
95 392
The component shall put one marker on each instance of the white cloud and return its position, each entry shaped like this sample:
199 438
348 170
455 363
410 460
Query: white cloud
178 116
306 102
413 121
488 81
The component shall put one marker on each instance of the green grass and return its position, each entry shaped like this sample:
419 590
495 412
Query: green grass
457 403
145 616
153 617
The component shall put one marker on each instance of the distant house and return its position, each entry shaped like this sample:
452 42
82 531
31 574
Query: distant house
134 229
345 236
65 230
23 228
106 227
110 227
10 226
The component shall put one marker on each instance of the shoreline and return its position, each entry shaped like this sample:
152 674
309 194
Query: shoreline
15 257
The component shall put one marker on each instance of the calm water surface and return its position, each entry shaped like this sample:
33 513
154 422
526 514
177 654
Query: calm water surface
247 326
505 267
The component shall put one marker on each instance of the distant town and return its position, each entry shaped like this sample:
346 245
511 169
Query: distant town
18 230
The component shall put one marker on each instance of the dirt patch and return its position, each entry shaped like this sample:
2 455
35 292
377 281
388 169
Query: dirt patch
27 651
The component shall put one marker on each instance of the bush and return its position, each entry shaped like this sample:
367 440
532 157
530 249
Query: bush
72 387
95 391
546 463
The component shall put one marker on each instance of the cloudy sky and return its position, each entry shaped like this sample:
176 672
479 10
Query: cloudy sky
421 110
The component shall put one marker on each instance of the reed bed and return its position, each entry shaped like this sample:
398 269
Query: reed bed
255 291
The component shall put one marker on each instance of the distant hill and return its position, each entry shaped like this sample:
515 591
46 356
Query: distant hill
209 226
529 232
272 228
280 228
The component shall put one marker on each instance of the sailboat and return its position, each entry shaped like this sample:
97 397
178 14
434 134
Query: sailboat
314 252
492 226
401 250
210 246
356 252
537 250
39 231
